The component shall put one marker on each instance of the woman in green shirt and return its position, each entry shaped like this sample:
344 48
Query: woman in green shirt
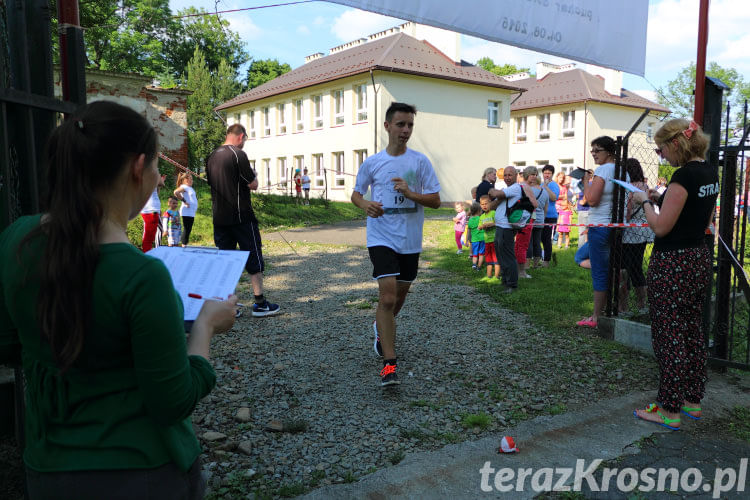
98 326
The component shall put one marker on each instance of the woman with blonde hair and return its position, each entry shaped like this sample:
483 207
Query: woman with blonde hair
489 177
679 272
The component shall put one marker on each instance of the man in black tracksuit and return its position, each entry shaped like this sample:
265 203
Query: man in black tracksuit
231 179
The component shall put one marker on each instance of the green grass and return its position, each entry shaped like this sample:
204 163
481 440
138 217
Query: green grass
566 287
273 211
480 420
740 423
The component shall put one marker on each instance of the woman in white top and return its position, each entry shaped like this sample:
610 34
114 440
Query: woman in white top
599 195
189 205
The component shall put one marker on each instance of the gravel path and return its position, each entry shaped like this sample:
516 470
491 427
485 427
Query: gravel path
298 402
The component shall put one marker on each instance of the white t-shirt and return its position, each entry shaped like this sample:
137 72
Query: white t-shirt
188 193
602 213
153 204
400 227
305 181
512 195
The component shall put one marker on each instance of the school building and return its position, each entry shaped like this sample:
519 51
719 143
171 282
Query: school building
328 114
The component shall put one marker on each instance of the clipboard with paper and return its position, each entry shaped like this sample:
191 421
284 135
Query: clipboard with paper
203 271
628 186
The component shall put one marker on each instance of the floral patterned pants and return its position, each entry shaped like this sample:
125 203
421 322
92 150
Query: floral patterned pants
677 282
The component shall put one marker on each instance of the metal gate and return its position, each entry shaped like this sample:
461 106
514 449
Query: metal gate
29 113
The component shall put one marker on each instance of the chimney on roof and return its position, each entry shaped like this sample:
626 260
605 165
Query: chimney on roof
447 42
516 76
545 68
612 78
312 57
347 45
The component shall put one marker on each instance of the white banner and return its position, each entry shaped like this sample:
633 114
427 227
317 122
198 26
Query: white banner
609 33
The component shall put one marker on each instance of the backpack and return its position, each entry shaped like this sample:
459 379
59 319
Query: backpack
520 213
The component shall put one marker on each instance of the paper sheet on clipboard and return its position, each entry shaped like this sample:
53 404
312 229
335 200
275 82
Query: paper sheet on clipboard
208 272
628 186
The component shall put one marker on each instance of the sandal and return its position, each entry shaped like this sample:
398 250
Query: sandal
665 422
686 411
588 322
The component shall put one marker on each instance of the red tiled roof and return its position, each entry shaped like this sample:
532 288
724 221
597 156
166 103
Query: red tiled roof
575 85
398 53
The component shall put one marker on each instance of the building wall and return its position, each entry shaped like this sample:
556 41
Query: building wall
450 128
561 151
165 109
592 120
611 120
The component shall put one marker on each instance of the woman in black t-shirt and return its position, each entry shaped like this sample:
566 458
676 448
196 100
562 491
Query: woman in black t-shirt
679 272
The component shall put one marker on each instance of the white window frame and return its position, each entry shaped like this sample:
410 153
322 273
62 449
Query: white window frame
566 165
281 110
543 126
568 124
266 121
299 115
338 166
360 155
251 124
650 132
283 169
360 104
299 163
520 134
267 171
238 118
337 105
319 178
493 114
317 111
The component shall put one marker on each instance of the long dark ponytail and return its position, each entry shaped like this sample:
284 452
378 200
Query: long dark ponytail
85 154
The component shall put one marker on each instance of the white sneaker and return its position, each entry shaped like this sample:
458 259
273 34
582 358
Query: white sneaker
459 252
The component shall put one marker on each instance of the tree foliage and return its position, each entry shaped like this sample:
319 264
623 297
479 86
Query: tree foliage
210 34
488 64
678 94
264 70
205 129
142 36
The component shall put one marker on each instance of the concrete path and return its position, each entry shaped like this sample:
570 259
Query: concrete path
342 233
604 431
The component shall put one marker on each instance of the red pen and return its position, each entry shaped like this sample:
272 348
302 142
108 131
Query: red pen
197 296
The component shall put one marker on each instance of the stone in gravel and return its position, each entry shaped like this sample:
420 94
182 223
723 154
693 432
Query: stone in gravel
275 426
243 415
246 447
538 407
236 397
279 366
322 466
228 446
249 473
213 436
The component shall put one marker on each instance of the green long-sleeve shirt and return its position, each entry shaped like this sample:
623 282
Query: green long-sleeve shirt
126 401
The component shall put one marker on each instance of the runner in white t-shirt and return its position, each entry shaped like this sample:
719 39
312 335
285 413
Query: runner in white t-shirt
402 182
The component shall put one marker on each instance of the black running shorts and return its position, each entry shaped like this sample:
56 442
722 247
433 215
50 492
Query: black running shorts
387 262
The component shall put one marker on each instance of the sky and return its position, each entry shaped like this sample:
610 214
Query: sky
289 33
